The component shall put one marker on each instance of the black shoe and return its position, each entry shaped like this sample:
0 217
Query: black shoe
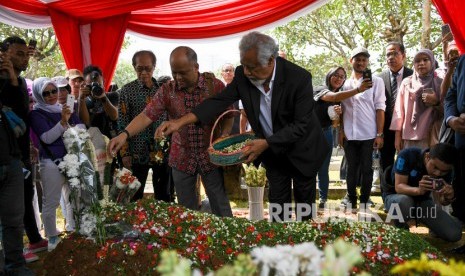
458 250
322 203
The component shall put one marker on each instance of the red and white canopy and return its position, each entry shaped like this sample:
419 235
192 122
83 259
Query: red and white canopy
92 31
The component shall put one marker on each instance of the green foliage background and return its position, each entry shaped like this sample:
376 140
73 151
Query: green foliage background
325 37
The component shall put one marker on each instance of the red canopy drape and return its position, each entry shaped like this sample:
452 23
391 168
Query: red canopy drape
92 31
452 12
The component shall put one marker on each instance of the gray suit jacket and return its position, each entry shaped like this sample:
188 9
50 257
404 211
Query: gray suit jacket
387 91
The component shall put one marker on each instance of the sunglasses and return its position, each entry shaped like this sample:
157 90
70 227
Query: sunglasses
141 69
48 93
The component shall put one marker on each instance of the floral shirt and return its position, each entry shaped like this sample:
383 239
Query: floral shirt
133 98
189 145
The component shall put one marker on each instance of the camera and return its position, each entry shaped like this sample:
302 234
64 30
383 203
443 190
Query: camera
437 184
95 87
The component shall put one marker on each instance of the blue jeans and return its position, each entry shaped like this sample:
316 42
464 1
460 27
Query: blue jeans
12 213
323 173
426 211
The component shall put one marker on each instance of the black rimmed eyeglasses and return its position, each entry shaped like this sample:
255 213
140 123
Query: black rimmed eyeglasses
49 92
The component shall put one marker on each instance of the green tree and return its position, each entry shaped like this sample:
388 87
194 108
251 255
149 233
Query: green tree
124 73
325 37
48 60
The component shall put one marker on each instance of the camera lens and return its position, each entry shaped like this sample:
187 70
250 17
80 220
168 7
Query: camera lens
96 89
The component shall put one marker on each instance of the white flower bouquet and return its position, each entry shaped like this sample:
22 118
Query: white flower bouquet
78 167
124 187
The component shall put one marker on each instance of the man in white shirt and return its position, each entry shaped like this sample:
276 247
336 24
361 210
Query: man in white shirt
363 122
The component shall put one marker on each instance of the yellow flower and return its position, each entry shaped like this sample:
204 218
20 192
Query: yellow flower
424 265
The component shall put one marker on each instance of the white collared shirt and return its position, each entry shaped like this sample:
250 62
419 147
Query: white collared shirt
400 75
359 111
265 106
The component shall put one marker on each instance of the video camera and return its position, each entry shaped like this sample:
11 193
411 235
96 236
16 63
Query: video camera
95 87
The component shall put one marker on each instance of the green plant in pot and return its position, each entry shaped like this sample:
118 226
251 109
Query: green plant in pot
255 179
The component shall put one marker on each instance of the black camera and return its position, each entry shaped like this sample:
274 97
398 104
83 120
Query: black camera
95 87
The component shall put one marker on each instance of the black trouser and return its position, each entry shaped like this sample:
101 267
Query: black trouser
283 178
12 213
359 154
30 224
388 151
160 180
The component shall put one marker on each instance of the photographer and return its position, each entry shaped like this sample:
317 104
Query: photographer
97 108
416 176
16 193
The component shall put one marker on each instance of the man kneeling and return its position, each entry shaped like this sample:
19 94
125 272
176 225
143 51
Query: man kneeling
418 177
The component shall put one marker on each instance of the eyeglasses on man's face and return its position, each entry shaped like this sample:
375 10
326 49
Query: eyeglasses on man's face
228 70
141 69
47 93
392 54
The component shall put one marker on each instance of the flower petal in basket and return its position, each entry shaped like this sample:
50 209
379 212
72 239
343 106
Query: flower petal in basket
221 158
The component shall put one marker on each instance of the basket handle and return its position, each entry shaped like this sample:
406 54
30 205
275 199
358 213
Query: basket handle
218 119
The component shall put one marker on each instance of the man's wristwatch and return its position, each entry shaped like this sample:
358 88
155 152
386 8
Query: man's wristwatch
381 135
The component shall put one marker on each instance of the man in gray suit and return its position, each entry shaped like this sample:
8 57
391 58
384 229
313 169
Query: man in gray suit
392 78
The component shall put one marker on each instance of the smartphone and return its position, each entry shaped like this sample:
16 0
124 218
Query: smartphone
453 54
70 102
428 91
4 47
445 30
367 74
32 44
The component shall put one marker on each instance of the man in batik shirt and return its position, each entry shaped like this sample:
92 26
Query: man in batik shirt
142 152
188 153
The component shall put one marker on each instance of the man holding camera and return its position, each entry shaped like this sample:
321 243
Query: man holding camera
97 108
407 191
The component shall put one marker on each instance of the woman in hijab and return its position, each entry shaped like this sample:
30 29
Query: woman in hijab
49 120
328 111
418 104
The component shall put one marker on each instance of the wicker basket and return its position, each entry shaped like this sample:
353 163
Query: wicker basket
215 150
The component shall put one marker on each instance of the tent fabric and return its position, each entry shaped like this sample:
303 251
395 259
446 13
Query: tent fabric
91 31
108 21
451 12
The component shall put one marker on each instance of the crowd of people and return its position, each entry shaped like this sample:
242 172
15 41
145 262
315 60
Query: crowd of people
398 111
